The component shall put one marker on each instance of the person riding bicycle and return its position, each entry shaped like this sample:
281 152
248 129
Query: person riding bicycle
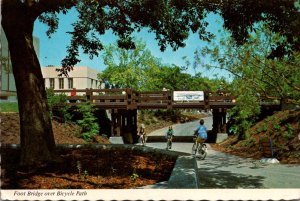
200 133
142 134
169 136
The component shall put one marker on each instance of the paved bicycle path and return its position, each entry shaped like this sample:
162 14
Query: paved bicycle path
220 170
186 129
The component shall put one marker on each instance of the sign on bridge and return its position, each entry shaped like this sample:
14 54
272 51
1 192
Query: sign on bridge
188 96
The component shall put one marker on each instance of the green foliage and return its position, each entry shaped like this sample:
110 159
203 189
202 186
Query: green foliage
134 175
248 142
9 107
265 128
88 123
81 174
139 70
269 119
244 113
60 102
254 69
127 68
289 133
79 167
258 130
55 99
276 126
170 21
257 77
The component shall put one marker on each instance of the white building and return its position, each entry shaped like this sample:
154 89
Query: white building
81 77
7 80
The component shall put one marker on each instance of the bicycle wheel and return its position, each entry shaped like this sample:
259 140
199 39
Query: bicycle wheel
194 150
168 144
202 151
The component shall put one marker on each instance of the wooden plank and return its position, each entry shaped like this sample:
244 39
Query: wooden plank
153 92
68 90
107 97
222 98
221 103
109 90
152 105
153 98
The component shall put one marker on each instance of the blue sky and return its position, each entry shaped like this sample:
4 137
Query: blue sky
53 50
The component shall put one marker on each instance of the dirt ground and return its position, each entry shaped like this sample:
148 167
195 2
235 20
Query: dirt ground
80 169
88 169
83 169
283 128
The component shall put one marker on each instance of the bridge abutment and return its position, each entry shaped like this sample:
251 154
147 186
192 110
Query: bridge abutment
124 123
219 124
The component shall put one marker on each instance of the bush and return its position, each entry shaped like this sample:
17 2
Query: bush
58 101
88 123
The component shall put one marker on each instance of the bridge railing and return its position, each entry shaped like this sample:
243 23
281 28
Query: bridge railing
105 98
157 99
132 99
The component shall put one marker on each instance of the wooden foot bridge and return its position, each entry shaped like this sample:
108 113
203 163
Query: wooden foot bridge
124 103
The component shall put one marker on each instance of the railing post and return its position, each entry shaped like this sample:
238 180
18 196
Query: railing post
170 99
89 94
206 100
129 98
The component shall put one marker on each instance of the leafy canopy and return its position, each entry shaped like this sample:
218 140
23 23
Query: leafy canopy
171 21
139 69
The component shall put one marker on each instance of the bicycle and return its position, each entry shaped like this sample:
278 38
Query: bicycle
142 139
201 151
169 142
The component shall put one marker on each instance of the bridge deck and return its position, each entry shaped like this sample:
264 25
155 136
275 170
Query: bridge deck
131 99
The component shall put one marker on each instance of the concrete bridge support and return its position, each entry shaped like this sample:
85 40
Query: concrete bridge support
219 123
124 123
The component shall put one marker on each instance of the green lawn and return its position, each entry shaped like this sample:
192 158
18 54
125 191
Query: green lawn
9 107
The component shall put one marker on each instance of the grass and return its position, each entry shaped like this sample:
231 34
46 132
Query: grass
9 107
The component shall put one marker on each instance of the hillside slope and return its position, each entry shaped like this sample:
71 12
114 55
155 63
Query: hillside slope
64 133
283 128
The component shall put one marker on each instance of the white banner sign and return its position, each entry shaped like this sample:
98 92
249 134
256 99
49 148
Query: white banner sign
188 96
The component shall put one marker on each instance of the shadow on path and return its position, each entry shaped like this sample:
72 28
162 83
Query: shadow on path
225 179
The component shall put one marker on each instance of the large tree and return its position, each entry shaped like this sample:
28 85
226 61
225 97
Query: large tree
170 20
128 68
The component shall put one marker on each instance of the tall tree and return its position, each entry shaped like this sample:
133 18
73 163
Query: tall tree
170 20
252 67
256 76
128 68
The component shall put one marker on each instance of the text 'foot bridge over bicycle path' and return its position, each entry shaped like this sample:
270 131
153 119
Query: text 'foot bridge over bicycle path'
124 103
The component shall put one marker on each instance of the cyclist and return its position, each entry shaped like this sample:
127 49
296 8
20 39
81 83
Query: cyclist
142 134
201 133
169 136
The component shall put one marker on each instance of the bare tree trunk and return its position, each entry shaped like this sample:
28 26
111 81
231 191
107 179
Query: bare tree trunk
37 139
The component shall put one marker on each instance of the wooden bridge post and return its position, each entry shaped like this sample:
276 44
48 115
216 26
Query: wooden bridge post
206 100
128 125
217 121
116 123
170 98
223 126
89 94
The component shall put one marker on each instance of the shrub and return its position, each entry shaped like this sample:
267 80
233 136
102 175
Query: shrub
289 133
248 143
88 123
276 127
58 101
